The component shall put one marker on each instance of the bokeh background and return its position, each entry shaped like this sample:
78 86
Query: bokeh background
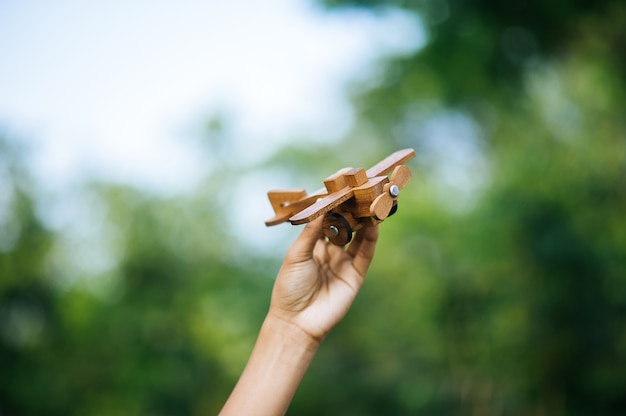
137 143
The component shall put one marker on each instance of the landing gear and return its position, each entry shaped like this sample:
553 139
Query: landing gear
394 208
337 229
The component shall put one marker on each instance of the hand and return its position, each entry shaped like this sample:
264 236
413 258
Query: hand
318 280
313 291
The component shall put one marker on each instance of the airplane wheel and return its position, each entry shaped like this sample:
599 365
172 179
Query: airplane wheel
394 208
337 229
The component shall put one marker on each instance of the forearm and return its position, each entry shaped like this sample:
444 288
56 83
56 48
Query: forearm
280 358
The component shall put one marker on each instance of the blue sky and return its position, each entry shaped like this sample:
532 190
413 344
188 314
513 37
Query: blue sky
117 90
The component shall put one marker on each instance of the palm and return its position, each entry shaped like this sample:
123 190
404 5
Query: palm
319 281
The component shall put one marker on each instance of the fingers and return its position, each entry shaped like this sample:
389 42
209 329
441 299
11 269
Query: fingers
362 249
302 248
361 235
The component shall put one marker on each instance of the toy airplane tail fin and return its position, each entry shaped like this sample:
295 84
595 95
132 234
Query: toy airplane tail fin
281 201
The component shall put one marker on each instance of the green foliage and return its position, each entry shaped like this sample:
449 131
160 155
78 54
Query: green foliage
167 336
511 305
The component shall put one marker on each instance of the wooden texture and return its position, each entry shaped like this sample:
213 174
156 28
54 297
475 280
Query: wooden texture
400 176
352 198
322 206
365 194
381 207
386 165
382 204
356 177
285 207
281 200
338 223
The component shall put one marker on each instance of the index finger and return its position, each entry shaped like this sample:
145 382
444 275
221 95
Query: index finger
302 248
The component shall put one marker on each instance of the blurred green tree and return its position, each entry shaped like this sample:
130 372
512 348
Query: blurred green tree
165 331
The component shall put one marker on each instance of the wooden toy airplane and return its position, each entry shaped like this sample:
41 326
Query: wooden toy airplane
352 198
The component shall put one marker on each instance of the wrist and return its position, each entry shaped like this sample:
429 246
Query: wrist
290 332
279 360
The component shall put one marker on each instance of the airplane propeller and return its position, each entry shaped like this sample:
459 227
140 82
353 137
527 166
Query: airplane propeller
382 205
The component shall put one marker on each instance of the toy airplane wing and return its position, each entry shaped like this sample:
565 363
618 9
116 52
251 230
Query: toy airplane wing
390 162
322 206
